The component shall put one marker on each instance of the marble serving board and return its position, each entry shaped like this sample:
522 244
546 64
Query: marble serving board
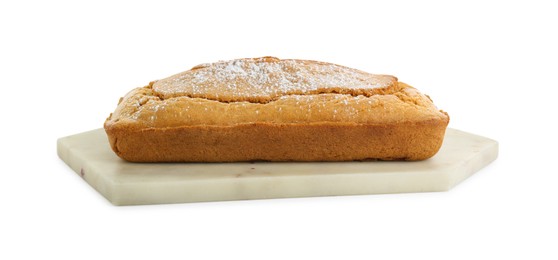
124 183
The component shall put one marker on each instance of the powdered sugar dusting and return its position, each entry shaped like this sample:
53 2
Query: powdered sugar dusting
268 78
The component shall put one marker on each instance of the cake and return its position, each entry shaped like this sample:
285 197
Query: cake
270 109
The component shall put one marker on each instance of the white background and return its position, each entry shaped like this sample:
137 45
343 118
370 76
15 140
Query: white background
491 65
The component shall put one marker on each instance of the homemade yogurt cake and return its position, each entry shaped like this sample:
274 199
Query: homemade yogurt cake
275 110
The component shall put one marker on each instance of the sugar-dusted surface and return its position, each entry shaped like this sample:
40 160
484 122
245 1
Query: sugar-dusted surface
269 90
124 183
268 78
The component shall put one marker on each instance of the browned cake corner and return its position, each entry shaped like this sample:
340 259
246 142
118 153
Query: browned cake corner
275 110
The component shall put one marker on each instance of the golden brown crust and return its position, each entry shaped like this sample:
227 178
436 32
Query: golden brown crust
371 117
280 142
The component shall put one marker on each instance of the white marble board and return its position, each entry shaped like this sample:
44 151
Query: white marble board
124 183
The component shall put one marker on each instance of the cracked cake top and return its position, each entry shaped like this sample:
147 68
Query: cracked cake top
260 80
268 90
